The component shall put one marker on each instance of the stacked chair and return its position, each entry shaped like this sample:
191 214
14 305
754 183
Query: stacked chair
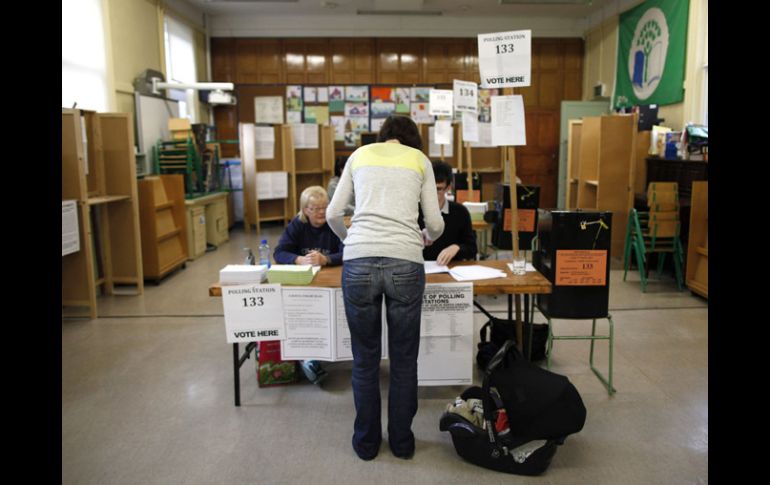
655 231
180 155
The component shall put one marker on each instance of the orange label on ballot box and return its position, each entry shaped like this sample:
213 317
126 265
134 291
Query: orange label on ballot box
526 220
581 267
462 196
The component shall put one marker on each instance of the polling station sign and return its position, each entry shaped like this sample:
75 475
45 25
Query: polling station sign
505 59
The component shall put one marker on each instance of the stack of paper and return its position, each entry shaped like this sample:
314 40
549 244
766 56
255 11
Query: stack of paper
475 272
290 274
477 210
242 273
432 267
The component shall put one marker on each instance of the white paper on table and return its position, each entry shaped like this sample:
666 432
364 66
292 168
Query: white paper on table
323 94
268 109
307 314
527 268
264 142
470 127
447 309
305 135
445 361
508 121
485 136
440 102
432 267
475 272
253 313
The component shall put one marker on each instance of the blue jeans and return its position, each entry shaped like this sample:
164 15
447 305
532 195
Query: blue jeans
364 283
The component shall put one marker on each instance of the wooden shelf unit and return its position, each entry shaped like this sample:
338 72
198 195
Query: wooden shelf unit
163 223
206 222
697 272
254 210
606 168
310 166
574 128
108 208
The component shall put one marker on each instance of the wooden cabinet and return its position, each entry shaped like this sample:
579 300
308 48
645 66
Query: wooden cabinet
606 170
697 273
207 222
310 166
163 223
99 173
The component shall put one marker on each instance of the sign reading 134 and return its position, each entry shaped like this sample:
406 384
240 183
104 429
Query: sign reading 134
505 59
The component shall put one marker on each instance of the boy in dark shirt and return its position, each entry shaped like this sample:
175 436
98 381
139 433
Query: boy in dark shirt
458 240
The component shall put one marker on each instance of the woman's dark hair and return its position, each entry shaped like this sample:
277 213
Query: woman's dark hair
401 128
339 165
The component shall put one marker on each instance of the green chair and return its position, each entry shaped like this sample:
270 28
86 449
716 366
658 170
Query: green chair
653 232
606 381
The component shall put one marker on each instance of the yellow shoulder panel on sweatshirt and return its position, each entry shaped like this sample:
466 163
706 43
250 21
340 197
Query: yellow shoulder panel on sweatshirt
390 155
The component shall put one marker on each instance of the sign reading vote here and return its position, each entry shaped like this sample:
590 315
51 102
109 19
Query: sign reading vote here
253 313
505 59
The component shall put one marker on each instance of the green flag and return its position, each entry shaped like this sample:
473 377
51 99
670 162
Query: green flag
651 53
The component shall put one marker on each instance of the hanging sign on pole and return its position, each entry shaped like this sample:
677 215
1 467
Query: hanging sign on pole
466 96
253 313
508 121
505 59
470 127
440 102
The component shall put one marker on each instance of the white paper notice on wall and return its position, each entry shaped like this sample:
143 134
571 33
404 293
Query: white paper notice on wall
443 132
470 127
466 96
505 59
253 313
272 185
434 149
264 142
305 135
268 109
508 121
485 136
70 236
440 102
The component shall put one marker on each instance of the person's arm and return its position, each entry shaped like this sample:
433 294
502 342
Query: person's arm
434 223
343 196
467 239
288 248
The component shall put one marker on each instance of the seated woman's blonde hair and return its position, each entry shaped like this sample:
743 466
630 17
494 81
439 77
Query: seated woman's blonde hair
314 193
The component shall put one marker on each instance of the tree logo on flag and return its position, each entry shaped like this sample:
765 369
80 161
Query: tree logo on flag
647 55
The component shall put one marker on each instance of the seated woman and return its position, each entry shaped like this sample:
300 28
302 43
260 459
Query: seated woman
308 239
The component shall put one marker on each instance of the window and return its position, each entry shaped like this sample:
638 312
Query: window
706 94
180 61
83 56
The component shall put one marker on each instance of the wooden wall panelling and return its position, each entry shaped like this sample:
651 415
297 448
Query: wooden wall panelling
226 122
352 61
537 161
246 58
222 59
399 61
305 61
444 60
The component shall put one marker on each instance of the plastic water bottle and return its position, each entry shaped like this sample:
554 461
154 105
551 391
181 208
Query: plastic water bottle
264 253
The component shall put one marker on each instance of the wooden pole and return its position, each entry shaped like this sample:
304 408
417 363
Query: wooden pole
511 155
470 171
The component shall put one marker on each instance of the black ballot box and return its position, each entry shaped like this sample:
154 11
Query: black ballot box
527 203
574 254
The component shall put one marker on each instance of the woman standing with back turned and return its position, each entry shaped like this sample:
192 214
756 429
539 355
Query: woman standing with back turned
387 180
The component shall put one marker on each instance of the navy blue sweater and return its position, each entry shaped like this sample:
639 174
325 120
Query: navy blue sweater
299 238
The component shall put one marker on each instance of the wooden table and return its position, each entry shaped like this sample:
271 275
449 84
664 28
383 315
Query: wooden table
331 277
